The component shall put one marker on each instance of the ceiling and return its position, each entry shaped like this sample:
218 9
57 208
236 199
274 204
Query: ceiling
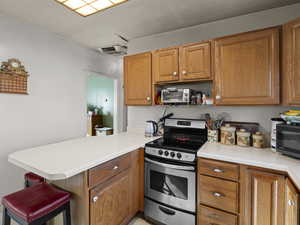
136 18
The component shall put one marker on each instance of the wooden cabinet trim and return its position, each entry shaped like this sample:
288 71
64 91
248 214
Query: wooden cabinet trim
290 62
107 170
168 76
209 216
251 196
145 87
272 97
203 73
218 193
292 209
220 169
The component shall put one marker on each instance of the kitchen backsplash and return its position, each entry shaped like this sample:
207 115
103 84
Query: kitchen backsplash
137 115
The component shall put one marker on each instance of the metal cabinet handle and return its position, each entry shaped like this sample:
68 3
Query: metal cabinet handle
291 202
218 97
217 194
184 72
218 170
214 216
167 211
174 73
116 167
148 99
95 199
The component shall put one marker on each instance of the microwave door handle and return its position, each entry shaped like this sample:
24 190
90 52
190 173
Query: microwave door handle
189 168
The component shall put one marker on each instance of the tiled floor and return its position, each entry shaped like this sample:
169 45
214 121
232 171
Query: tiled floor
138 221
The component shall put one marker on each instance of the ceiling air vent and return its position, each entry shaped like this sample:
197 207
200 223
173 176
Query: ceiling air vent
114 50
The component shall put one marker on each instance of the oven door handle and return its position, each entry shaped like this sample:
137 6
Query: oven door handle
189 168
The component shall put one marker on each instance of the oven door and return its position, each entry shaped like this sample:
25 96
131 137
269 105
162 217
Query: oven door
171 184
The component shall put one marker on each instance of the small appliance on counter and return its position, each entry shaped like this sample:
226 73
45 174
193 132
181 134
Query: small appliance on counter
288 140
176 95
170 172
275 122
151 128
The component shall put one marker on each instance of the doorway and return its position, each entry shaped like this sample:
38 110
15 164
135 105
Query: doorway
102 105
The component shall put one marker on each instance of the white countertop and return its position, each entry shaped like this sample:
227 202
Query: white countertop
66 159
254 157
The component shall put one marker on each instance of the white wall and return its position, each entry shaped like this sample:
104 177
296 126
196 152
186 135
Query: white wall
55 108
259 20
262 115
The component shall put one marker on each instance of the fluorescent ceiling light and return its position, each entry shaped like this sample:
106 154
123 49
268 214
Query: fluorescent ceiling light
89 7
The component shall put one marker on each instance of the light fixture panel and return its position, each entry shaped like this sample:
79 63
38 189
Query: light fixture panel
89 7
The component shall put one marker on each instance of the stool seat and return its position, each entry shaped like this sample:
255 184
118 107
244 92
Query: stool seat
34 178
34 202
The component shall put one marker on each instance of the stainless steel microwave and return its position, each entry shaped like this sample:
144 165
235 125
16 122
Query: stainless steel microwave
288 140
176 95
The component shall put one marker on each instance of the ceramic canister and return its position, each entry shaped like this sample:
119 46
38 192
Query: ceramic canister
258 140
212 136
243 138
228 135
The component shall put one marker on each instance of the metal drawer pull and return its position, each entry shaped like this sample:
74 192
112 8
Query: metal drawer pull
291 202
95 199
214 216
115 168
167 211
218 170
217 194
174 73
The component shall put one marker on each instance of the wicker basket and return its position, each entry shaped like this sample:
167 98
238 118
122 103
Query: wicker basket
13 83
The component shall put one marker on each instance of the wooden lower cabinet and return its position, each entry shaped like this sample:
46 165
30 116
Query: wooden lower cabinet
110 202
259 197
292 211
210 216
263 197
109 194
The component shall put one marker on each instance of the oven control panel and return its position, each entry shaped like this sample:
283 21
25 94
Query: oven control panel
170 154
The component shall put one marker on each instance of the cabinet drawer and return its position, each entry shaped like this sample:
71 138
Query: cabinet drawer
107 170
218 169
209 216
218 193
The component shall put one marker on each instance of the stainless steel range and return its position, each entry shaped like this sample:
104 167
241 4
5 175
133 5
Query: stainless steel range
170 172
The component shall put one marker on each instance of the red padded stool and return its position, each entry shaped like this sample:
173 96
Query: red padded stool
36 205
32 179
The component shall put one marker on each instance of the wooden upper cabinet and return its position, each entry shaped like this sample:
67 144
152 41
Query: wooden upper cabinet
165 65
247 68
138 79
110 201
291 204
264 198
195 61
291 63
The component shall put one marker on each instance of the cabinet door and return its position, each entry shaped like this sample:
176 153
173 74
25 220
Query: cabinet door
195 63
137 181
264 198
291 204
138 79
110 201
247 68
291 63
165 65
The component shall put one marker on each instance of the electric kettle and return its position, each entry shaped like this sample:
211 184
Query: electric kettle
151 128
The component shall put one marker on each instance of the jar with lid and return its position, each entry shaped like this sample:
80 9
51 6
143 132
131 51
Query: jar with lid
243 138
228 135
258 140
